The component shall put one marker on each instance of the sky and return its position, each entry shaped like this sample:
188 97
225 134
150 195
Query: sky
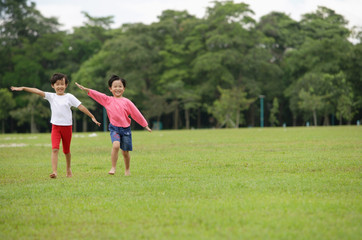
69 13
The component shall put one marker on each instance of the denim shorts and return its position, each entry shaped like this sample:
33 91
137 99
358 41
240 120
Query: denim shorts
122 135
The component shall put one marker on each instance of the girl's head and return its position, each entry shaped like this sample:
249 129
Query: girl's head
59 82
115 78
59 76
117 86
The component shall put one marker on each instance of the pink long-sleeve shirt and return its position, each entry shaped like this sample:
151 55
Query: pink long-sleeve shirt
119 109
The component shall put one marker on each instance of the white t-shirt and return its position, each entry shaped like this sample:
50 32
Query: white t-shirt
60 106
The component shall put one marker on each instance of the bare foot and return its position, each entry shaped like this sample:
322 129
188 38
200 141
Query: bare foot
69 173
127 173
53 175
112 171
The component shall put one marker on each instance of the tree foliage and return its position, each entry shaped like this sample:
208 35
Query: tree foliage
186 71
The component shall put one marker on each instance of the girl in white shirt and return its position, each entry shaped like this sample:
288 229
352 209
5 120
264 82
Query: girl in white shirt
61 117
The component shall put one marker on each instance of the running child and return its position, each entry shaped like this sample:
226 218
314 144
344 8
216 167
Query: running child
61 117
118 109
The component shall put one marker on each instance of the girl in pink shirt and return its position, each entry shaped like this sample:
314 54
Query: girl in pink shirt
118 109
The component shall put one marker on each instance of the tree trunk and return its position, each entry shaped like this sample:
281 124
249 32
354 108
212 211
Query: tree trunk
187 118
198 118
294 120
231 122
176 116
315 117
252 117
33 128
237 122
326 120
349 121
84 124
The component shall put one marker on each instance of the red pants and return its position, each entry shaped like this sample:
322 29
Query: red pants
65 134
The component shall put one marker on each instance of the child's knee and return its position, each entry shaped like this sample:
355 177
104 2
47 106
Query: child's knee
55 150
116 145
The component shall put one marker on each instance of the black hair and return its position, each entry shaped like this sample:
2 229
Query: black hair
58 76
115 78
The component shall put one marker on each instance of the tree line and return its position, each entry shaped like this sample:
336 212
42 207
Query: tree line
187 72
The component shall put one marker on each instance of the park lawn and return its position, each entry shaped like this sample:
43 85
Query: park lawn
255 183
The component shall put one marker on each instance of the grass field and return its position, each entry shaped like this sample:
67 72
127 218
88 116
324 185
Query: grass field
270 183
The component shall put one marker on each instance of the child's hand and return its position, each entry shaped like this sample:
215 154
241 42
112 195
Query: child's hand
17 88
95 121
81 87
148 129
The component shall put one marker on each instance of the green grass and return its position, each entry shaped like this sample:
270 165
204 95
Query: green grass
270 183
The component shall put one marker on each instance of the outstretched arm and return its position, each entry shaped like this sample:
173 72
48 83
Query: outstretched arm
101 98
148 129
83 88
31 90
137 116
89 114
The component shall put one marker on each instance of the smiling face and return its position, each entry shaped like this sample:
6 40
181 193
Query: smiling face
60 86
117 88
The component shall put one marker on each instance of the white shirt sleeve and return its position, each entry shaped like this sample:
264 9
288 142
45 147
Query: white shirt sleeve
74 101
47 95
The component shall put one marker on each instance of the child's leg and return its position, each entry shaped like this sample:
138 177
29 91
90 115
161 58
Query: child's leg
54 162
127 161
126 146
66 132
68 157
114 156
55 136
